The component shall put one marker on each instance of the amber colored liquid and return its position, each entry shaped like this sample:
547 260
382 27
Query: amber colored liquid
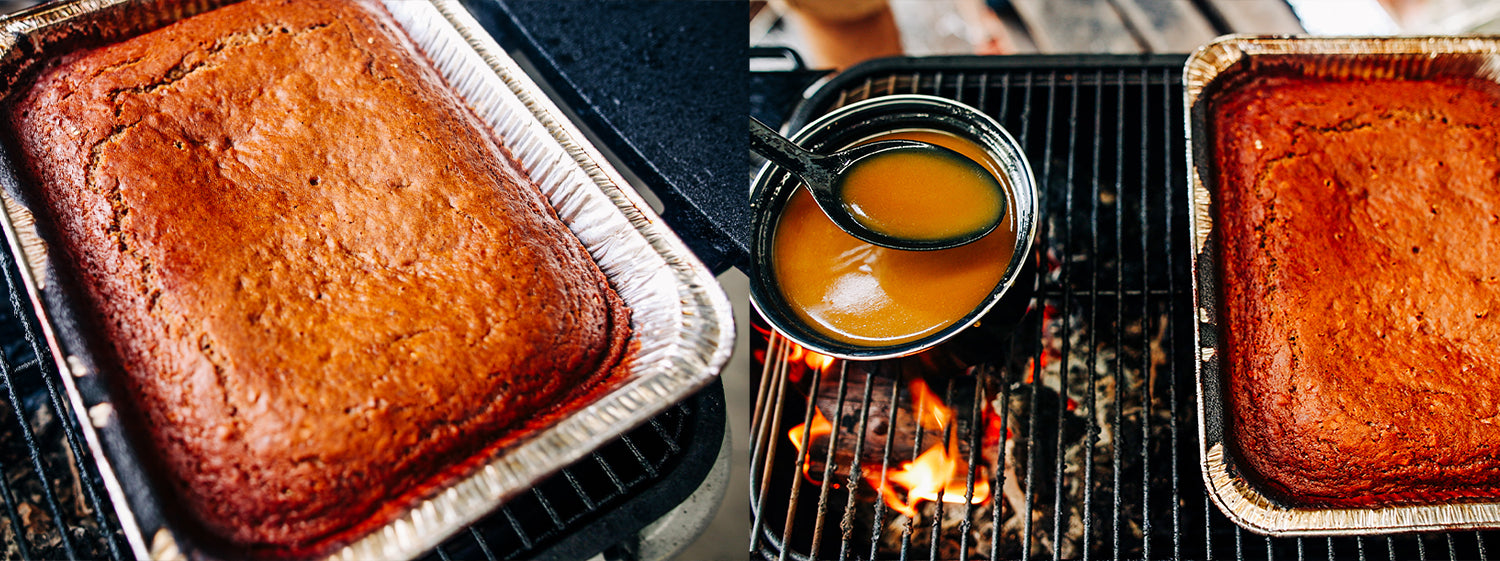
866 295
919 195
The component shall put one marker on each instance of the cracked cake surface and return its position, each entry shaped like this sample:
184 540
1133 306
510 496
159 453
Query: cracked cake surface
326 283
1359 224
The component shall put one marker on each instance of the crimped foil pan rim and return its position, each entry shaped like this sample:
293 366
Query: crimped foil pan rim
1239 499
681 352
1248 507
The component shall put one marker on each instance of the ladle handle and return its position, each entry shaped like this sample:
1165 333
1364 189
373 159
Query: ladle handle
782 152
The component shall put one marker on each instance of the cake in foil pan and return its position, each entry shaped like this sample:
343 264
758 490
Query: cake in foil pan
325 286
1353 208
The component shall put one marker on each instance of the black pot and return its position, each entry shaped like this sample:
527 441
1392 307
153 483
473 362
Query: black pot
848 126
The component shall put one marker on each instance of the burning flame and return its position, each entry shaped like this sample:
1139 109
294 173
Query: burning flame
819 424
817 361
936 470
939 473
931 412
798 356
819 427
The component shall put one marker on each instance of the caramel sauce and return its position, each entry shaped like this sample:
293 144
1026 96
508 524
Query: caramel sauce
867 295
920 195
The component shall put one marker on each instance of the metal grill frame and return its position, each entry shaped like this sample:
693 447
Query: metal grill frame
1183 524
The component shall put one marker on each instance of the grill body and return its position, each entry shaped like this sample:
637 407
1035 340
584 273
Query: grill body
1096 378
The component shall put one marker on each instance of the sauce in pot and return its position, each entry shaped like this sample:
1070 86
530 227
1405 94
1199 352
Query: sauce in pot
867 295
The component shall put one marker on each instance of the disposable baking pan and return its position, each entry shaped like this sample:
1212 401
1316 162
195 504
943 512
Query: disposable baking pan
681 317
1223 63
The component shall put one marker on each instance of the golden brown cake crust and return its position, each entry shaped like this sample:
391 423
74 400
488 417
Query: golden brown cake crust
1359 223
325 282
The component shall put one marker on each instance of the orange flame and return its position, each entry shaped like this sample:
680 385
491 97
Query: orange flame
931 412
817 361
938 473
796 355
936 470
819 424
819 427
794 352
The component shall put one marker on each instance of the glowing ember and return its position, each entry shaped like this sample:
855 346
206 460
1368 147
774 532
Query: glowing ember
938 473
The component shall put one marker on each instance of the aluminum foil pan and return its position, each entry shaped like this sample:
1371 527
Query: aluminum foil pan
681 317
1224 63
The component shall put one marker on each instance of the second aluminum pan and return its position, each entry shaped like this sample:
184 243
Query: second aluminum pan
1230 60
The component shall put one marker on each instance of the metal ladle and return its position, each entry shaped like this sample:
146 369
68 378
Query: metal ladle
823 176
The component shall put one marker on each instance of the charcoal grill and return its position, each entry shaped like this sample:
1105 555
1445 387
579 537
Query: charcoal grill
1096 379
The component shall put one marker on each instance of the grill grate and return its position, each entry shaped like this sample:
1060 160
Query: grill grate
55 506
1095 386
566 502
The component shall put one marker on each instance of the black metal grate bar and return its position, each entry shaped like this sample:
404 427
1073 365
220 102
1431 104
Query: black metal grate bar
91 493
828 462
909 523
1118 418
22 550
1001 458
1041 326
846 544
1092 394
1059 467
48 496
484 547
786 532
885 468
1168 79
559 506
1097 353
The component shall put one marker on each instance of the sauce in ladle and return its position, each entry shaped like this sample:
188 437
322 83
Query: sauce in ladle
866 295
921 195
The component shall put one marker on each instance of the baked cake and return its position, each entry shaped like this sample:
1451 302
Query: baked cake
325 281
1359 223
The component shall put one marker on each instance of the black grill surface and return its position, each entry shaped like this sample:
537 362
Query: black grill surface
1109 424
662 85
